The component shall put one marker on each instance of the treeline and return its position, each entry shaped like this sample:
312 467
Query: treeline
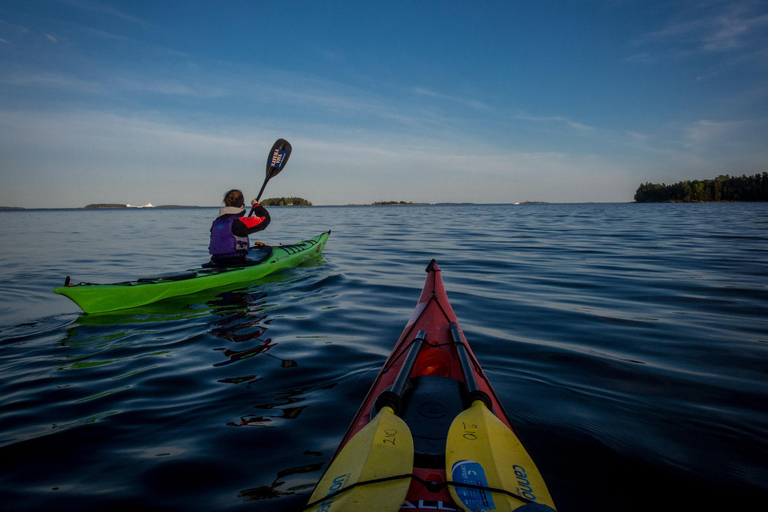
722 188
286 201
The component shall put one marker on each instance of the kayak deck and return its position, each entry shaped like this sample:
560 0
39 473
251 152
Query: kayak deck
438 392
99 298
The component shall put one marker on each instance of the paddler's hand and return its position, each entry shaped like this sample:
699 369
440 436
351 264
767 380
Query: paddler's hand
254 202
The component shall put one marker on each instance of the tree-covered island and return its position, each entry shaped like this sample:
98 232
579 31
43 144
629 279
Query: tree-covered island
723 188
286 201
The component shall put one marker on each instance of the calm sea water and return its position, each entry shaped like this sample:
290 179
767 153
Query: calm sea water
628 343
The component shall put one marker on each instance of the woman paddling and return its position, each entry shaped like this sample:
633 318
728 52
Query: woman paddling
229 232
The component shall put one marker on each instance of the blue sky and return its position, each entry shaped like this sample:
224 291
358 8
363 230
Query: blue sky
174 102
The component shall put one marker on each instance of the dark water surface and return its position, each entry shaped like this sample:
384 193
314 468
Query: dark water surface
628 343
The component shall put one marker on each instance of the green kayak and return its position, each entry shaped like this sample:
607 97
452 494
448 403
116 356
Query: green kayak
98 298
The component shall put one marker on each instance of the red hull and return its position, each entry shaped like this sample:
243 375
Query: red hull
437 360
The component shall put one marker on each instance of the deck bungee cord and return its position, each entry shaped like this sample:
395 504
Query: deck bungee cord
429 484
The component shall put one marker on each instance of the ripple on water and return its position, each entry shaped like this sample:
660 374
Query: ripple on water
626 342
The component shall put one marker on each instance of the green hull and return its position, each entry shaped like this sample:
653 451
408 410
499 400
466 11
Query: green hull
98 298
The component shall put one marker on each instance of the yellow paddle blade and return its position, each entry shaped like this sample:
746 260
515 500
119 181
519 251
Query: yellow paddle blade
383 448
481 450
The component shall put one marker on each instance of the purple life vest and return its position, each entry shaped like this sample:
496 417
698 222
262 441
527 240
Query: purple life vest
224 244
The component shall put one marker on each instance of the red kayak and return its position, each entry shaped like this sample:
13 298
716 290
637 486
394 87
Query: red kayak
431 433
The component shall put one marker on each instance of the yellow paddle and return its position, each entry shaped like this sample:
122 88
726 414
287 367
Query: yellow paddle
382 449
482 451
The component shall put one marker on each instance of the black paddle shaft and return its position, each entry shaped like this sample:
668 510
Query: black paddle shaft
392 397
475 393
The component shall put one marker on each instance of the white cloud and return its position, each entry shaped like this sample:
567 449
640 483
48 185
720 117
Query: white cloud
727 27
642 58
736 146
101 8
705 133
26 78
583 128
733 31
641 137
167 87
468 102
183 165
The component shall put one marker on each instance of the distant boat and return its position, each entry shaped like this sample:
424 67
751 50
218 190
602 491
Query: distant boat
148 205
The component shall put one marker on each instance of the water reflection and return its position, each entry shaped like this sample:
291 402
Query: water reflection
271 491
293 396
134 347
243 318
236 316
233 356
250 379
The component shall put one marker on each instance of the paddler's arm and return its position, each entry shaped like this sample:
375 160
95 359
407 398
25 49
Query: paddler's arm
244 226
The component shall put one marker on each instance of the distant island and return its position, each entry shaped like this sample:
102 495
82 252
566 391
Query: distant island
120 205
724 188
286 201
388 203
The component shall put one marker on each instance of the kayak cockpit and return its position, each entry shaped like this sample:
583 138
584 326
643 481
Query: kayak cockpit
428 400
430 406
256 254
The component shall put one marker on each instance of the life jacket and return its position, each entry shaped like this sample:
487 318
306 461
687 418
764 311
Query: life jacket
224 244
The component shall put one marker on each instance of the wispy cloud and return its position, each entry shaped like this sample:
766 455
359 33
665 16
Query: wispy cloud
734 30
704 132
740 136
580 127
51 38
25 78
708 28
640 137
643 58
468 102
166 87
15 27
11 31
100 148
101 8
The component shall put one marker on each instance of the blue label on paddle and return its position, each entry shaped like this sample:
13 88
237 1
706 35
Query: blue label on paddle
277 158
471 473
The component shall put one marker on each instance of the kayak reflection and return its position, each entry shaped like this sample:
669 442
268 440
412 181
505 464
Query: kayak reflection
271 491
242 324
290 397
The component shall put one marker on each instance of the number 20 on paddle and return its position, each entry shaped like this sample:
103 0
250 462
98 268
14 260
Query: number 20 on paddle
390 436
470 431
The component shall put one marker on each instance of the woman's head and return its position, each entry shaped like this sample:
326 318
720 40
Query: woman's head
234 198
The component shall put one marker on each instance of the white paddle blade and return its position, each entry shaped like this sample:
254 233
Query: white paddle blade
483 451
383 448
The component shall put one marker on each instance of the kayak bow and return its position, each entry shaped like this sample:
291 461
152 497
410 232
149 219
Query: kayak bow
431 433
99 298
